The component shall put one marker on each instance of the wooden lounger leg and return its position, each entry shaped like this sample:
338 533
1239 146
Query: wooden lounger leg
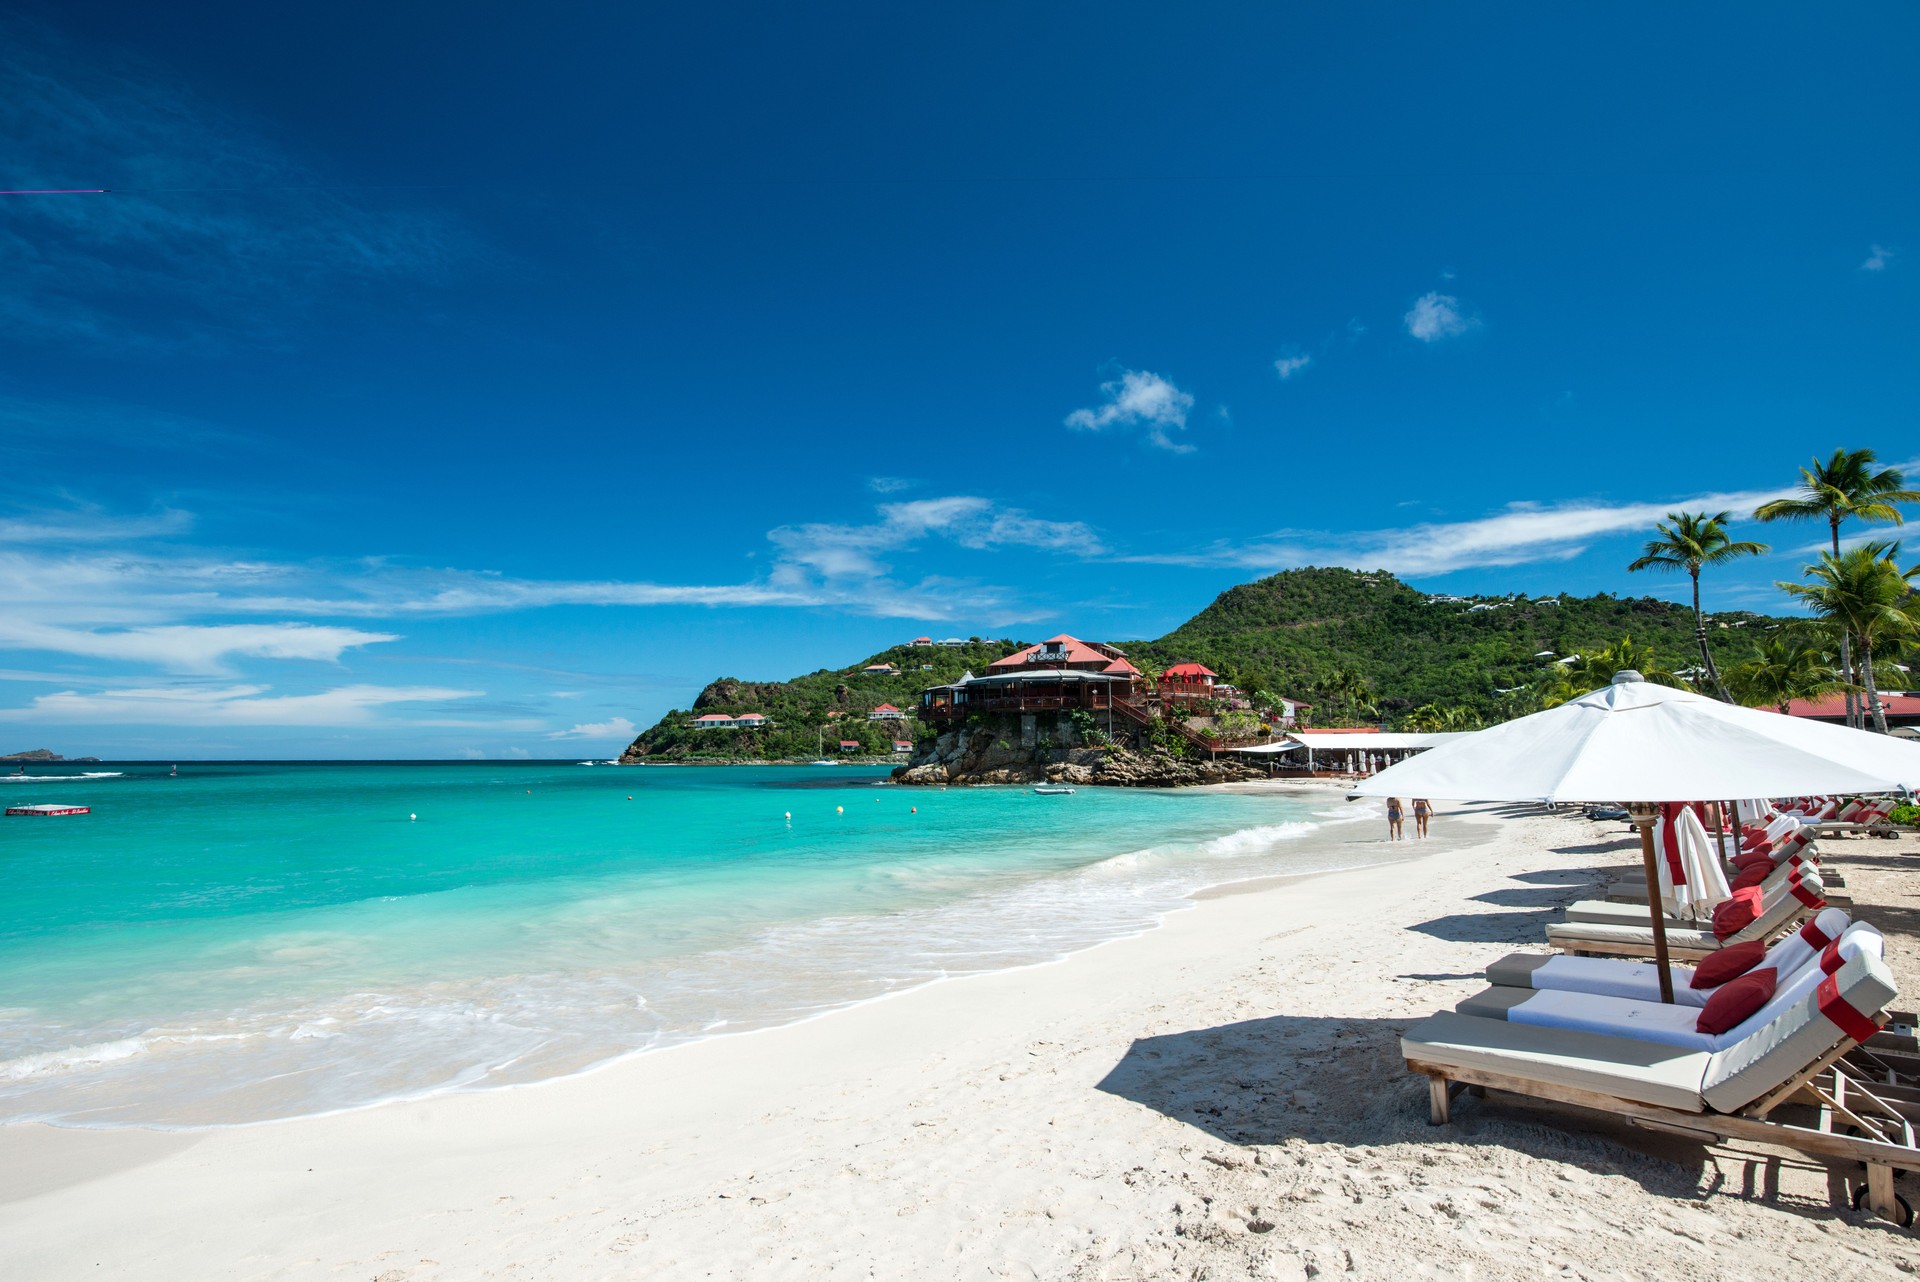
1439 1100
1880 1199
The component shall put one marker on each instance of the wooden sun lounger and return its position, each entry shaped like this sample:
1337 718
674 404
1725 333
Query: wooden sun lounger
1796 1082
1621 934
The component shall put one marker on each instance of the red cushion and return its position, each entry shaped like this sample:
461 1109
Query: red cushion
1730 962
1752 857
1738 913
1735 1001
1752 875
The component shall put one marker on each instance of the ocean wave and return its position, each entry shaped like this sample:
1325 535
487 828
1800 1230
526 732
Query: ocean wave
85 774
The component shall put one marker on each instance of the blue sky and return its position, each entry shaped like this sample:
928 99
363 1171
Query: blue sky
445 382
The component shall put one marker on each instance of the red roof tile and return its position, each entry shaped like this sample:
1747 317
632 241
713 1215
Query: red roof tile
1189 670
1077 652
1835 705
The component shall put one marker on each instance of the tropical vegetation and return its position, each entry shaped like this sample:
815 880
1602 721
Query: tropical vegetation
1693 541
1848 485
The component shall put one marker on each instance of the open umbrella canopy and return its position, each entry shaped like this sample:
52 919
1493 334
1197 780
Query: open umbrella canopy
1637 741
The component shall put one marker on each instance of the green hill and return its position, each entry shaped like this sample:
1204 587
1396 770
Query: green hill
1293 634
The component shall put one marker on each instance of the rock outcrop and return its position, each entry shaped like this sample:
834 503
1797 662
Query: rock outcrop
1031 749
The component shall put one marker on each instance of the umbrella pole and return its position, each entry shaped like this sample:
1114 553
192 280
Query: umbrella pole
1643 814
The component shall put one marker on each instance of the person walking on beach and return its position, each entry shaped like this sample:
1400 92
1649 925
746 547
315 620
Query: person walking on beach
1422 811
1395 820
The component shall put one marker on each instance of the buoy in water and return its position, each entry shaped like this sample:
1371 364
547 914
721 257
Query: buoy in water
412 818
839 810
914 809
789 816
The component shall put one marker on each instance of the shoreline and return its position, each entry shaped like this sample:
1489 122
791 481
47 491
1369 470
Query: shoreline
1222 1092
1189 899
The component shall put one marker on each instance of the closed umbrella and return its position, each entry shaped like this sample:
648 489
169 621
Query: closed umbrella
1642 743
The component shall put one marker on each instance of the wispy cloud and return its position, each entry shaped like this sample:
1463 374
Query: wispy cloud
1878 259
1292 363
889 484
90 525
191 649
611 728
1521 534
1139 398
208 220
1435 316
239 705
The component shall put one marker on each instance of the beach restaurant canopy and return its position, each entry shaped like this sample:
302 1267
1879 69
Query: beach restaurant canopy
1349 747
1639 743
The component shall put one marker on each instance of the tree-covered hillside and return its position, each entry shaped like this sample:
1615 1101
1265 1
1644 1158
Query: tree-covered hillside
825 706
1304 633
1342 640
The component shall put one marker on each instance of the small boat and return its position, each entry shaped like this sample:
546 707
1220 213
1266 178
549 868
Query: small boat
45 810
1052 789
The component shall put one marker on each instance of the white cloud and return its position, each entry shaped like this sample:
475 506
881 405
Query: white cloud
1877 260
611 728
1523 533
240 705
189 648
1287 366
1139 398
1435 316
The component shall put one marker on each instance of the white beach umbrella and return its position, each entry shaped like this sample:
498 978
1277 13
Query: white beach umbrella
1641 743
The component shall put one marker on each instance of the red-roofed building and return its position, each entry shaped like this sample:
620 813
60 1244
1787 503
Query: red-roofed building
903 745
886 712
1901 709
1188 683
923 640
1062 653
849 745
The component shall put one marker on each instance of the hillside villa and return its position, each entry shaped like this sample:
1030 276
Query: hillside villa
886 712
725 721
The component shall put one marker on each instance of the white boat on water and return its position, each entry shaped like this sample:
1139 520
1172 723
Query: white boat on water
1052 789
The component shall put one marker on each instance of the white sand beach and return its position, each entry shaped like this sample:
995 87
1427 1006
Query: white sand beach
1222 1097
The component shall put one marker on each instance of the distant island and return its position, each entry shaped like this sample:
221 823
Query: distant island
1326 648
38 754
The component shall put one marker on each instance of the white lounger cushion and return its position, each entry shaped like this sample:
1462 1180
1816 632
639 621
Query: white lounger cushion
1640 980
1651 1072
1657 1021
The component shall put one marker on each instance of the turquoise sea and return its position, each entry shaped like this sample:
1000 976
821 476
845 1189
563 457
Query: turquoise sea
260 940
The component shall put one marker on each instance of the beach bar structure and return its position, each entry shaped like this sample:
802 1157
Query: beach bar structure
1042 690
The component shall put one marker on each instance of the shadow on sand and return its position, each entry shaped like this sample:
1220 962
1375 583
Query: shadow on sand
1344 1082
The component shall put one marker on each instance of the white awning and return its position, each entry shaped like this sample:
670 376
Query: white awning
1334 741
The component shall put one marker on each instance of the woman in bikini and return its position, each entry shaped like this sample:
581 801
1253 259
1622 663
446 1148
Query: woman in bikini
1395 819
1422 811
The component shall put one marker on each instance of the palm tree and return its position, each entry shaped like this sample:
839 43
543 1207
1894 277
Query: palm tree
1846 485
1795 664
1692 542
1865 592
1591 670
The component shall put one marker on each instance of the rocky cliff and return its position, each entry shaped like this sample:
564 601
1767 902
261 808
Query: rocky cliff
1037 749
